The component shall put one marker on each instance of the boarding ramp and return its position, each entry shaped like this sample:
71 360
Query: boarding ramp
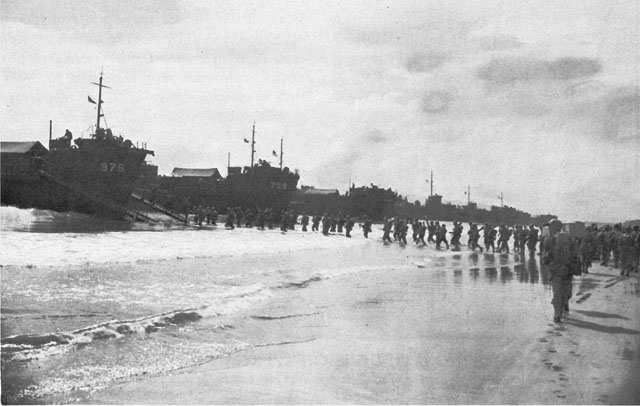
158 207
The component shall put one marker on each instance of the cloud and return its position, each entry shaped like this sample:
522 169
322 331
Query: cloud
425 61
499 42
510 70
375 137
436 101
621 114
95 20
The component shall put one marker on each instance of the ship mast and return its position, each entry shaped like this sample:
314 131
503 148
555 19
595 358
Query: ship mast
253 143
280 153
100 86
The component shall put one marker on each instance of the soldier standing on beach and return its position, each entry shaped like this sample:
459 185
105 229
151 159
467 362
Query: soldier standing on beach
326 224
626 247
557 256
284 218
231 217
260 220
316 222
636 239
304 221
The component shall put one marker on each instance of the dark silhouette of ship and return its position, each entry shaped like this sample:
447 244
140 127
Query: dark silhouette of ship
93 175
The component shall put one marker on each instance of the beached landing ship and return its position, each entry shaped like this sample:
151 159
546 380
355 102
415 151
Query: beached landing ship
93 175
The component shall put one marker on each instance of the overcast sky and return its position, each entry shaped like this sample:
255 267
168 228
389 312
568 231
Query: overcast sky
537 100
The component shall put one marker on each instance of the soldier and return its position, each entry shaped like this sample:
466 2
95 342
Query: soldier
586 250
456 234
422 230
401 228
517 235
474 236
284 221
333 223
532 240
239 215
326 224
260 220
292 220
386 230
316 222
415 230
432 232
626 246
348 226
366 227
615 247
503 241
214 216
304 221
249 218
604 240
636 238
231 217
557 256
441 237
271 218
490 234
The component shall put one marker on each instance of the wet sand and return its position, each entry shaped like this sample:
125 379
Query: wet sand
399 337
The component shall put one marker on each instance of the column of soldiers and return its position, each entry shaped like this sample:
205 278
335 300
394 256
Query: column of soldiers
610 244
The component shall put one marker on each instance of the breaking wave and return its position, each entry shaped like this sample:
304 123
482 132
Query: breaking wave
36 346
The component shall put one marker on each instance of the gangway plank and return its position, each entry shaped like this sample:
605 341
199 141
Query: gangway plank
158 207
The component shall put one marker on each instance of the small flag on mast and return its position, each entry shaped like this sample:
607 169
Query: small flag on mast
274 153
91 100
246 140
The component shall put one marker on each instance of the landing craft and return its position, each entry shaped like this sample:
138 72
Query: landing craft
93 175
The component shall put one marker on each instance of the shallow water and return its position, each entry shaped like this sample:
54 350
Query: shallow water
84 310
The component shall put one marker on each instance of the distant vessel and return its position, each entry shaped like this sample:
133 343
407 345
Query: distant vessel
261 185
93 175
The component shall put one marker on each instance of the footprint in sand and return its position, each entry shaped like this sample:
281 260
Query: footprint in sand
552 350
543 340
556 368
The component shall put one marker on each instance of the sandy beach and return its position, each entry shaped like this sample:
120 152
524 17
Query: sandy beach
390 338
249 317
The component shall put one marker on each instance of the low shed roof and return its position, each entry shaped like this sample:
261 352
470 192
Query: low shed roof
27 147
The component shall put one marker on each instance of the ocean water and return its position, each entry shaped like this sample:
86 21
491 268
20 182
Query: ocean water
89 303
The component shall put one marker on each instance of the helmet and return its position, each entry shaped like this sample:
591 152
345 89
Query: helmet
555 225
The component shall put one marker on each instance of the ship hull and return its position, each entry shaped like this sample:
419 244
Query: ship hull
93 180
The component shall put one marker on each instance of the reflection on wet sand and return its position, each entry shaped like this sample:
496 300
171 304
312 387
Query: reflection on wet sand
509 267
